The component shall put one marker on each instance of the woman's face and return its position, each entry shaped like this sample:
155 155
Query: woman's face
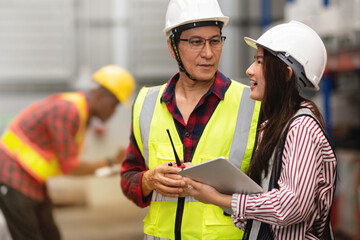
256 76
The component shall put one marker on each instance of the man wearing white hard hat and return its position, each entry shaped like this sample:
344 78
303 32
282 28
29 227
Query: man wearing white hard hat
206 114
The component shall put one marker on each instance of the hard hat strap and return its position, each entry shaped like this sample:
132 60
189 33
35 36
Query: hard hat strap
178 59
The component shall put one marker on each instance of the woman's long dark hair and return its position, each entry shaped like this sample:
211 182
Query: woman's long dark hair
280 102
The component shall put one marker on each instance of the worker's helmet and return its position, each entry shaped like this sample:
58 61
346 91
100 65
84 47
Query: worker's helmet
186 14
117 80
300 47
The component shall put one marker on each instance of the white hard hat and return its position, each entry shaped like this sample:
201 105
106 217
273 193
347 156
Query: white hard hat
297 41
181 12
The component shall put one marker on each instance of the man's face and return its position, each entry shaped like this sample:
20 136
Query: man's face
107 106
201 63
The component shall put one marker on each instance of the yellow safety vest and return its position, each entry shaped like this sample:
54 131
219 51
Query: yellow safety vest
230 132
38 162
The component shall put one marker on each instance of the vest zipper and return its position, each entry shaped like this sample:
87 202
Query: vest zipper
178 219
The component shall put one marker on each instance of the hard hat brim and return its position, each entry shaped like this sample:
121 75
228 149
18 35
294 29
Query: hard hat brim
251 42
254 43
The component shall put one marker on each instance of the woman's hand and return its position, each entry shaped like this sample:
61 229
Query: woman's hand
206 194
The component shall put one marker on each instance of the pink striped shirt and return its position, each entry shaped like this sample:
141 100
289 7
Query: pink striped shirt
300 207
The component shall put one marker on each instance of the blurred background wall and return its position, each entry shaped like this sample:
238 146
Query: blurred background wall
49 46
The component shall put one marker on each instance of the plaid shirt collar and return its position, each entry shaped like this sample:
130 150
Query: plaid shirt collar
218 88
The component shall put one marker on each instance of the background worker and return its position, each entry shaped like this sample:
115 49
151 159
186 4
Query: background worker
45 140
300 172
207 114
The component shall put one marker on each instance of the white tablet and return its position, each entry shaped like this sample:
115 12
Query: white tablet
224 176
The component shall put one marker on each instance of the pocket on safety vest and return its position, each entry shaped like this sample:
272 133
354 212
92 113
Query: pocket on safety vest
150 220
219 226
202 158
152 215
163 152
160 220
214 215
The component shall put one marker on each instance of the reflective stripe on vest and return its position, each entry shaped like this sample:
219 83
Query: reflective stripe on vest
200 221
145 113
40 163
149 237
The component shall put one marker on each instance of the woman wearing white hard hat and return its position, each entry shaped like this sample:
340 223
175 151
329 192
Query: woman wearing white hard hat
207 114
294 161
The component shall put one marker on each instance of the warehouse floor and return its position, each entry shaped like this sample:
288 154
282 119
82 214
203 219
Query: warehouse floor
105 223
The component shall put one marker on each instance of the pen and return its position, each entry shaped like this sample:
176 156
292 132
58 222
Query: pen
178 163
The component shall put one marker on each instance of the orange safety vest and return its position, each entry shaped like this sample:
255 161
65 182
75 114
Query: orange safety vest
38 162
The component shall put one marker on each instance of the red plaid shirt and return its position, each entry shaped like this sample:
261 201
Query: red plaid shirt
52 125
133 167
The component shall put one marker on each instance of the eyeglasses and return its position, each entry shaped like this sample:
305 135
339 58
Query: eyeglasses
199 42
